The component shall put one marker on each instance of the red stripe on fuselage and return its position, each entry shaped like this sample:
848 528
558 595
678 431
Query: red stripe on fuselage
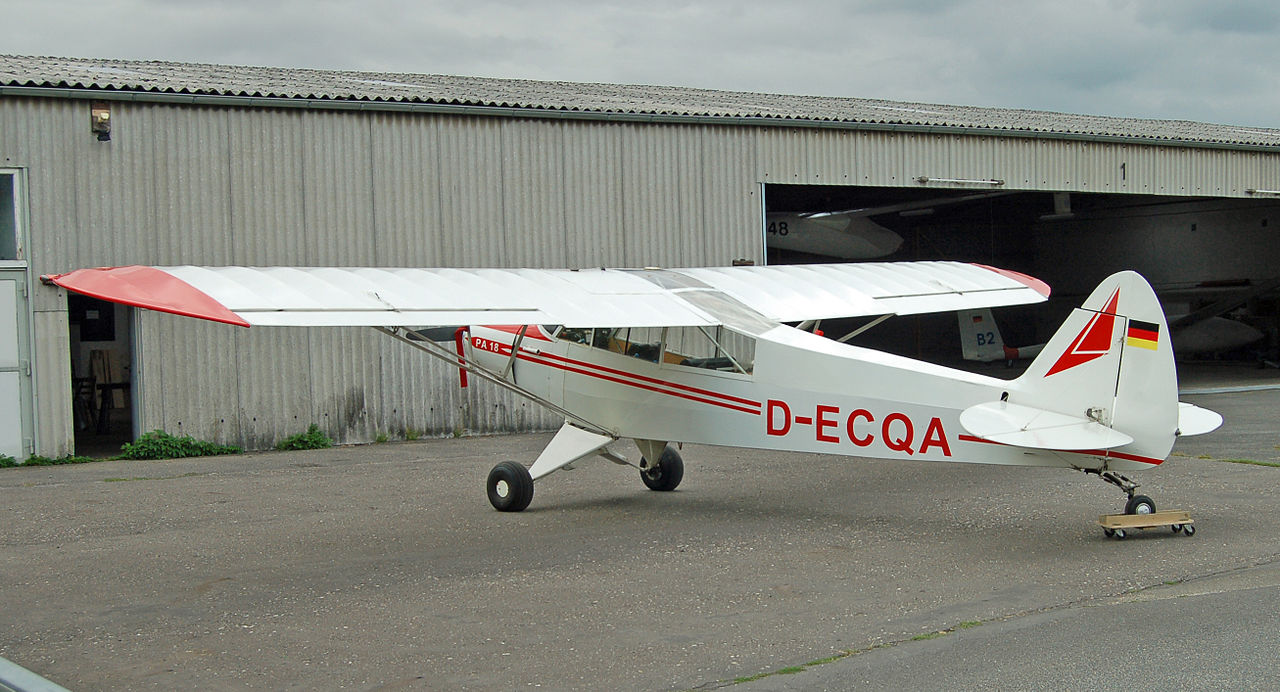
1091 452
630 379
652 380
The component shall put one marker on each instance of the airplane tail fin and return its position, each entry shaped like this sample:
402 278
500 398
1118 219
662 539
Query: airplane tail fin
980 338
1104 384
1112 362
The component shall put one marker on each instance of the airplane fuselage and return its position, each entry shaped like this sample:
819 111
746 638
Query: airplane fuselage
801 392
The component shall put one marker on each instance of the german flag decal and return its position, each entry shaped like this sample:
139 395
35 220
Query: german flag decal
1143 334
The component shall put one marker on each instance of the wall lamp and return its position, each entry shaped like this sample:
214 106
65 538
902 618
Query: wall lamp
925 180
100 120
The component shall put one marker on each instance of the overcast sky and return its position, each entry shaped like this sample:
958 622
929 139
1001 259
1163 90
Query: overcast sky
1213 61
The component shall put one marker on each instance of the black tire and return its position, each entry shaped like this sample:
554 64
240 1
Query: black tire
667 473
1176 527
510 487
1140 504
1189 529
1108 532
1120 534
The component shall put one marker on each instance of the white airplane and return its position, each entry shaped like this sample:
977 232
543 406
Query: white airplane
701 356
980 337
842 234
850 234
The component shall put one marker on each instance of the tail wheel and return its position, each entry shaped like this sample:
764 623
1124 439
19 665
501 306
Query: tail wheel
510 487
1140 504
667 473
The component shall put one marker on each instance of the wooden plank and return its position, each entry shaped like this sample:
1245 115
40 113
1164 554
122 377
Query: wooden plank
1143 521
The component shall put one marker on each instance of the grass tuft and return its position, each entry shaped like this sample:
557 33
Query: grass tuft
159 444
36 460
313 438
1251 462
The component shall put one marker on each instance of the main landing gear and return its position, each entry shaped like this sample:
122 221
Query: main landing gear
666 473
510 484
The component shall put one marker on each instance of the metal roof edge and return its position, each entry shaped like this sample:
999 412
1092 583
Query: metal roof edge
89 94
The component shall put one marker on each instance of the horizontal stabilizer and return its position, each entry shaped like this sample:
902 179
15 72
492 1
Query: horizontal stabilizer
1025 426
1193 420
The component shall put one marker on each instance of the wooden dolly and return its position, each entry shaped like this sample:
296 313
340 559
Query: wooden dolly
1117 524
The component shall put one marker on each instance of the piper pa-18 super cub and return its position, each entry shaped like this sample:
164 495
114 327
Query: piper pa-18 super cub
701 355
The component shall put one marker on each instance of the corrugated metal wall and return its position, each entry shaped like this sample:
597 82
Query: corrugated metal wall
221 185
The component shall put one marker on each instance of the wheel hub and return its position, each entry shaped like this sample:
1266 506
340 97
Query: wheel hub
502 489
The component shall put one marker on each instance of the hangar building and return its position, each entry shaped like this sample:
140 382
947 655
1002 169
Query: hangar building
108 162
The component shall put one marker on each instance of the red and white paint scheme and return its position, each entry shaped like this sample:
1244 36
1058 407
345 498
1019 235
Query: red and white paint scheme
703 356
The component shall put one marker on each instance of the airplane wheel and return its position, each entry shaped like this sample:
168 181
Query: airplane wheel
1140 504
1189 530
1119 534
667 473
1108 532
1176 527
510 487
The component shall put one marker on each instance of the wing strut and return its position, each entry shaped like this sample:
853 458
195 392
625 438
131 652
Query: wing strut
845 339
510 368
454 360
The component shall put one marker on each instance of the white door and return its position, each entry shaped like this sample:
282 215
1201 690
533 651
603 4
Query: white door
15 367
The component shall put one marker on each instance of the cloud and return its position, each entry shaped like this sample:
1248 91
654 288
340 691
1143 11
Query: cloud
1175 59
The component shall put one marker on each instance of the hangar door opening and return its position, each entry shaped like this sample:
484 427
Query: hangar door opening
101 374
1214 262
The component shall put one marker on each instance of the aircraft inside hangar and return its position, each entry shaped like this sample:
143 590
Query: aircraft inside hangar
1212 260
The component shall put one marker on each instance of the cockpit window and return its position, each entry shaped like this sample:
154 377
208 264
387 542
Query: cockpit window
708 348
711 348
574 334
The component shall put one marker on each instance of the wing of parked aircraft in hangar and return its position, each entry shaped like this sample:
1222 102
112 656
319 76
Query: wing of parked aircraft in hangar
387 297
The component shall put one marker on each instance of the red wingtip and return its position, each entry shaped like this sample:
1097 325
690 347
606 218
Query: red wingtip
1029 281
146 287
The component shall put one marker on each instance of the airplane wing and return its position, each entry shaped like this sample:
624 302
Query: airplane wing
387 297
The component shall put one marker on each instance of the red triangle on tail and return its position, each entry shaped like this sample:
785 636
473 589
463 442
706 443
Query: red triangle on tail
1094 341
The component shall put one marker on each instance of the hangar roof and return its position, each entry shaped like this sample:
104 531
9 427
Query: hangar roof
23 74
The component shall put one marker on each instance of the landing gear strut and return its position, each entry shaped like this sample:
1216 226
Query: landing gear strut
1137 504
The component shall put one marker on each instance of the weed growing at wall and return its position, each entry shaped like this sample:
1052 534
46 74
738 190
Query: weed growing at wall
34 460
311 439
159 444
